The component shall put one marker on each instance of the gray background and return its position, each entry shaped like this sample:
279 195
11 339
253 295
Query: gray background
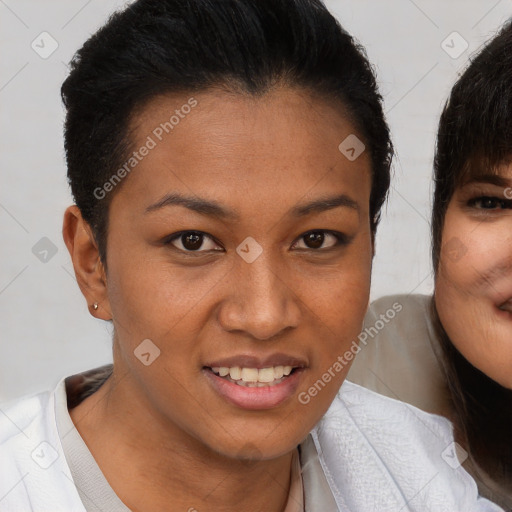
46 331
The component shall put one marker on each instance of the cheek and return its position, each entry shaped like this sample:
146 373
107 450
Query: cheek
469 281
345 304
336 322
339 294
338 308
470 254
148 296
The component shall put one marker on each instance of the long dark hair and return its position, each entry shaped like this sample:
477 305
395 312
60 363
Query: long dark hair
475 134
482 411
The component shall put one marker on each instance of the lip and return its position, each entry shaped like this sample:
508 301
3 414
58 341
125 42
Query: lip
255 398
251 361
506 306
504 311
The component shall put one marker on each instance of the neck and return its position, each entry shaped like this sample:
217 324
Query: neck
150 463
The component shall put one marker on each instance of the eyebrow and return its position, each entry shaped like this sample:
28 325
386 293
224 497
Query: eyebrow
324 204
492 179
214 209
202 206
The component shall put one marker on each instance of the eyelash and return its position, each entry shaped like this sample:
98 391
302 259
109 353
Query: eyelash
499 203
341 240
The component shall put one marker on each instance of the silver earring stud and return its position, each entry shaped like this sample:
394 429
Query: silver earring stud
95 306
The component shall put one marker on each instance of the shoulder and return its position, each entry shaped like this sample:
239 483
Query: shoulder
383 454
34 474
22 416
398 354
402 308
398 322
373 410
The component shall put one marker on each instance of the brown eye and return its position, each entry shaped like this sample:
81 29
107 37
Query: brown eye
192 241
317 239
489 203
314 240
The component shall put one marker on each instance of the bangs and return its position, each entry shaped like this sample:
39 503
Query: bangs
483 165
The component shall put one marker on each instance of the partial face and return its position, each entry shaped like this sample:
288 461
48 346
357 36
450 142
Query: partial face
474 282
240 246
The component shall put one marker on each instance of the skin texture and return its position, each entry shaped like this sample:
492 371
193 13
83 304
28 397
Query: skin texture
475 273
160 433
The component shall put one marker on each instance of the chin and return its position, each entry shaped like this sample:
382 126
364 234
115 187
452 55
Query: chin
255 448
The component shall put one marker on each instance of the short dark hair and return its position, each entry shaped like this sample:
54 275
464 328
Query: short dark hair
475 137
155 47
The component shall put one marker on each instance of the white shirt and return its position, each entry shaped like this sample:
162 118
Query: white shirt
400 357
376 454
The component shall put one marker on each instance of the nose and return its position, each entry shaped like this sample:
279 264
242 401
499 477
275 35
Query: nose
260 303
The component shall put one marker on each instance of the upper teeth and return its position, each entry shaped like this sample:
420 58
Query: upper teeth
254 374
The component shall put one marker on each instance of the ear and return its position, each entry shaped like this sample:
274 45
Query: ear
89 271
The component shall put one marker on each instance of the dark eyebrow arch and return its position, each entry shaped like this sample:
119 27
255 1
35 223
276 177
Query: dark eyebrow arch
492 179
214 209
202 206
324 204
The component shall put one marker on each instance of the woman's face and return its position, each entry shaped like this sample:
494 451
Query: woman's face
474 281
239 243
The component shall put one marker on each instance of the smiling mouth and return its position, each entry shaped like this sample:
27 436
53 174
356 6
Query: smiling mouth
254 377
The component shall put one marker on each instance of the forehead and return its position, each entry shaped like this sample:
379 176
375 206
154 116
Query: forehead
283 142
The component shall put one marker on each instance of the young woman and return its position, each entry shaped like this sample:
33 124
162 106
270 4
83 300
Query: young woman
228 161
453 355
